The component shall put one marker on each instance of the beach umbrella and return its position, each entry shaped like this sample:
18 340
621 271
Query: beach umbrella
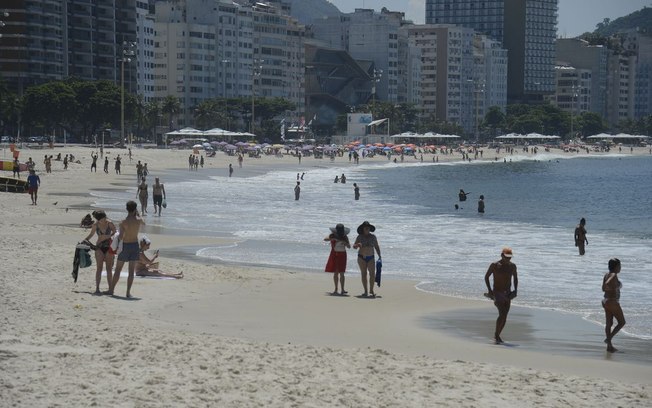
183 141
278 146
175 143
222 143
386 149
230 147
206 144
216 143
243 144
197 146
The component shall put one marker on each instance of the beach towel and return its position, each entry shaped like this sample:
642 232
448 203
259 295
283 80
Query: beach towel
82 259
116 243
125 274
379 270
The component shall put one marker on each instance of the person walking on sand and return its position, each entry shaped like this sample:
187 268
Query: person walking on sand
106 164
366 243
104 229
158 195
33 183
142 196
118 163
356 191
297 191
336 263
481 205
611 303
580 236
503 272
129 229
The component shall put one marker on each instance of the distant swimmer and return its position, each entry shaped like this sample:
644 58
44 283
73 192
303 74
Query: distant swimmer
297 190
481 205
337 179
343 179
503 271
462 195
356 191
611 303
580 236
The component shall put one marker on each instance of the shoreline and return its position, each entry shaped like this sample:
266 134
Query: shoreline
233 335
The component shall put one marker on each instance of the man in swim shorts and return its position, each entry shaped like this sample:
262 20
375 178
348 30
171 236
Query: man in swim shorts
33 183
158 192
503 271
129 229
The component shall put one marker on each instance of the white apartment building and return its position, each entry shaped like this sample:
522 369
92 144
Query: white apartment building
573 92
210 49
526 28
461 73
368 35
144 58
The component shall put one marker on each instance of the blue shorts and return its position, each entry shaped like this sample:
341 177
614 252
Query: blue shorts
130 252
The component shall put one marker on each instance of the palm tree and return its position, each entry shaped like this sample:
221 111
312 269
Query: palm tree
171 106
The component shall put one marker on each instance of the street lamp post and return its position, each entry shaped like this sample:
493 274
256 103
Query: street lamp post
224 63
378 74
128 52
257 70
574 89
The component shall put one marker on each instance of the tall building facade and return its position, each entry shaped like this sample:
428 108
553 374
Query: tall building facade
368 35
209 49
573 91
144 49
592 59
32 42
462 73
51 40
526 28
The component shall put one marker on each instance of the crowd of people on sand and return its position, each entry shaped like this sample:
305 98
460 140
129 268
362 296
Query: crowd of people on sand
124 242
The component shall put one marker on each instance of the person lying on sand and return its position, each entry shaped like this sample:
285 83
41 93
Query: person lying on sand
148 267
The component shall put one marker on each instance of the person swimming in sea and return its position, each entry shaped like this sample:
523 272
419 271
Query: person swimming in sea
462 195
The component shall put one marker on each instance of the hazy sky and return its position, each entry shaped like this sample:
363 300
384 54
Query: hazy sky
575 16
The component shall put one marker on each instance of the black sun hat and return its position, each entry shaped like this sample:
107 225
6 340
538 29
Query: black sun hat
366 224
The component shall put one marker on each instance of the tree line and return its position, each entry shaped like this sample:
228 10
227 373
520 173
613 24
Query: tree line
86 108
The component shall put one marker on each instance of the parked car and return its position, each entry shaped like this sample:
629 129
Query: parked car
6 139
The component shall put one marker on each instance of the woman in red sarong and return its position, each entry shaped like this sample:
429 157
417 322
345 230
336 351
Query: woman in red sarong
336 263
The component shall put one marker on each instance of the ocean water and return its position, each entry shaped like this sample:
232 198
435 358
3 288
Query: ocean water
531 205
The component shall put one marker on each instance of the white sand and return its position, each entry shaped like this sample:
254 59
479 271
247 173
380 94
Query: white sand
234 336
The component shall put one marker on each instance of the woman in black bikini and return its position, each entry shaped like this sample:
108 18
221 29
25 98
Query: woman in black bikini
366 243
142 195
611 303
104 229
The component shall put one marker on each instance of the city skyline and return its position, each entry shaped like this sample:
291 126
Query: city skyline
575 16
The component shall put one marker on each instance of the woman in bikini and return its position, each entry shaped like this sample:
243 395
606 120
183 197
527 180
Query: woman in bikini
336 263
611 303
142 195
104 229
149 267
366 243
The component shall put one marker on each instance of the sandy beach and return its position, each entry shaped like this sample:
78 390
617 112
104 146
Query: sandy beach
243 336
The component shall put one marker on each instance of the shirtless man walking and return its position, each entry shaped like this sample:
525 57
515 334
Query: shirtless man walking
502 295
158 192
129 229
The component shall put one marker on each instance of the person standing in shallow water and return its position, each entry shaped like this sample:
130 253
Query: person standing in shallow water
356 191
503 272
297 191
611 303
580 236
481 205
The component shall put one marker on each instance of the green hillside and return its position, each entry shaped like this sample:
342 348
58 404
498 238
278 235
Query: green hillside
641 19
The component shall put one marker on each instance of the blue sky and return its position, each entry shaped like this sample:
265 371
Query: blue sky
575 16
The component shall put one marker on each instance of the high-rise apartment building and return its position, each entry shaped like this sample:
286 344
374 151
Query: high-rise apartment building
32 42
462 73
144 49
224 49
368 35
51 40
526 28
573 91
